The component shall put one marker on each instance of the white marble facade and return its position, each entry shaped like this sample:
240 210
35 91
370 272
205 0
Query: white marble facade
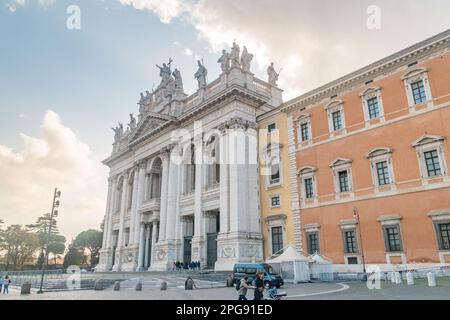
184 180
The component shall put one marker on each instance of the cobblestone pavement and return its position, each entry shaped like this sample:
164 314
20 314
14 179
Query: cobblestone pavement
216 291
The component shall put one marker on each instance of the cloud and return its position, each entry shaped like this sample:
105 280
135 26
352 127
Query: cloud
56 158
166 10
313 41
188 52
13 4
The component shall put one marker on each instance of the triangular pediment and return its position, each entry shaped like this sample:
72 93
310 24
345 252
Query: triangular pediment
427 139
150 122
339 162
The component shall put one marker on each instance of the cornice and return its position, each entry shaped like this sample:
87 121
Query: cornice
388 64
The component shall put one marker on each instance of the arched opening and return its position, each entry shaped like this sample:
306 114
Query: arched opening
213 163
154 180
189 170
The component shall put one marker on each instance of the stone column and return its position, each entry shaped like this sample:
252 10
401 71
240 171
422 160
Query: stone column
147 244
140 198
140 266
111 212
105 252
123 205
198 188
165 155
154 239
106 222
224 182
172 196
134 207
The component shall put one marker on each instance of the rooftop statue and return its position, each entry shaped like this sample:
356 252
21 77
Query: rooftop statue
246 60
141 104
273 75
235 52
201 74
224 61
132 124
178 81
118 132
165 73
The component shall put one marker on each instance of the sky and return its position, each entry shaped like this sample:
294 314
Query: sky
62 89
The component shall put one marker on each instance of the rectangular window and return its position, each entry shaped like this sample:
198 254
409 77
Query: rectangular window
383 173
432 163
313 242
277 239
304 128
418 92
350 241
275 201
337 120
374 109
275 174
309 188
444 236
344 185
393 239
352 260
271 127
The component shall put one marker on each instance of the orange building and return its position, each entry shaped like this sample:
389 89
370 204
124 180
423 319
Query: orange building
375 143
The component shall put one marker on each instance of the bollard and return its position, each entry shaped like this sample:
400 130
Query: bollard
25 288
189 284
431 279
98 285
230 281
139 286
163 286
410 278
117 286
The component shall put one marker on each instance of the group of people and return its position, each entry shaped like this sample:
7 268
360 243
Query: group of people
263 291
193 266
4 284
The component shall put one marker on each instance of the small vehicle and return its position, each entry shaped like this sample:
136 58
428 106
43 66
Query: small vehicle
250 269
275 295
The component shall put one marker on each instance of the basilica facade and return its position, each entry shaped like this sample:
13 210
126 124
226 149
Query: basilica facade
183 183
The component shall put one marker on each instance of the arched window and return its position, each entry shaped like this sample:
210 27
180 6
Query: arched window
189 170
213 163
154 179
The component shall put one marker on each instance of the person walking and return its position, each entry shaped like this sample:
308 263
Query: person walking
6 283
243 287
1 283
259 286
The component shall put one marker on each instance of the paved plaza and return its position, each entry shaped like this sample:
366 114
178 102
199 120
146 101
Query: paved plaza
212 290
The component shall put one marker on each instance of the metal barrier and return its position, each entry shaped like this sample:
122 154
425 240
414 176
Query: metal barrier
53 278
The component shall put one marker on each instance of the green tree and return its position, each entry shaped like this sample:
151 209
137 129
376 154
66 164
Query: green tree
19 244
56 242
91 241
74 256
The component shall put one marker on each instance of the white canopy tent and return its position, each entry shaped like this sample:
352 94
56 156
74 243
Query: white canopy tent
321 268
293 266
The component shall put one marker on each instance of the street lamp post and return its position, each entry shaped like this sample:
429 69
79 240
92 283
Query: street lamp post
53 213
356 216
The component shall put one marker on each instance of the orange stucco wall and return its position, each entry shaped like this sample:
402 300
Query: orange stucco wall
412 199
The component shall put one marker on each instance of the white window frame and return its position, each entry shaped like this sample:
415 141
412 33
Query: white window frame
308 172
274 221
415 75
304 119
428 143
379 155
370 93
271 160
270 201
268 125
339 165
332 107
